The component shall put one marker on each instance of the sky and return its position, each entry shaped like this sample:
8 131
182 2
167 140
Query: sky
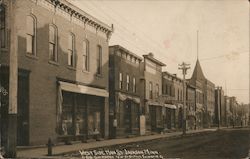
215 31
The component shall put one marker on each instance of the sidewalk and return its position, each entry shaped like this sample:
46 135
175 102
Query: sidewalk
62 149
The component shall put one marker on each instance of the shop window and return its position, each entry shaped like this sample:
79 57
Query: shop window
31 35
2 27
53 43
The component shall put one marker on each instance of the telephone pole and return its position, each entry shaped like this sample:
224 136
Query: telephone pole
184 67
13 76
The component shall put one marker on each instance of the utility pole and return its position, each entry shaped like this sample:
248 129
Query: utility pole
13 76
184 67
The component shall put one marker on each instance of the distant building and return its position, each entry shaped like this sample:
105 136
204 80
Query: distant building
124 92
204 97
220 109
169 94
63 71
190 101
152 90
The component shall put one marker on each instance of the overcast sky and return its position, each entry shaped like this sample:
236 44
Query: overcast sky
168 29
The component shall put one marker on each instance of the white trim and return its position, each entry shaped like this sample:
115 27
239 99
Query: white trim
76 88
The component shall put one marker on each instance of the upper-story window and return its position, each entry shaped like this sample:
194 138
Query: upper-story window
85 55
99 60
150 90
2 27
53 43
134 84
120 80
127 83
31 35
71 47
157 90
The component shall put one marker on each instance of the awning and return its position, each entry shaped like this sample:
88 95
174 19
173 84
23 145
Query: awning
153 103
124 97
76 88
171 106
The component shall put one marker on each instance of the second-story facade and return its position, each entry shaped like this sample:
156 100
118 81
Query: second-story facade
152 90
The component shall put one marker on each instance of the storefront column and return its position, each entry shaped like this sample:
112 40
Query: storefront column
106 117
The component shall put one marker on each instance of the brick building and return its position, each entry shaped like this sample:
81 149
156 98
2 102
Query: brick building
125 91
152 90
190 100
62 71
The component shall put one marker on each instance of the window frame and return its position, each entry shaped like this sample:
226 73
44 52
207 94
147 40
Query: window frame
85 55
120 80
33 37
134 85
54 44
99 60
71 51
127 82
150 90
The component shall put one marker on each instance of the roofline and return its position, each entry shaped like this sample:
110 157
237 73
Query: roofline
154 60
79 13
166 72
126 50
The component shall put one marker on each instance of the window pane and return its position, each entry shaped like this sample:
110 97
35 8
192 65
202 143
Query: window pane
99 59
71 40
84 62
52 34
70 57
29 44
52 54
30 25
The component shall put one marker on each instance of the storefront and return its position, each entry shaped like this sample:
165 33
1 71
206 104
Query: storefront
81 111
169 116
127 115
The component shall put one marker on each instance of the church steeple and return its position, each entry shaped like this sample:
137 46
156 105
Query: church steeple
197 44
198 74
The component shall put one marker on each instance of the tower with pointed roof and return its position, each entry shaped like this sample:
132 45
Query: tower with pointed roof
204 95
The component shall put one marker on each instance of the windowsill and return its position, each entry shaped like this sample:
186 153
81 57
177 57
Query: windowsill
85 71
4 49
53 63
71 67
98 75
32 56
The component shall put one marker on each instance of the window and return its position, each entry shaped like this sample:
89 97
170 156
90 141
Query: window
134 85
85 55
2 27
127 85
99 60
157 90
71 50
31 35
52 43
120 80
150 90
